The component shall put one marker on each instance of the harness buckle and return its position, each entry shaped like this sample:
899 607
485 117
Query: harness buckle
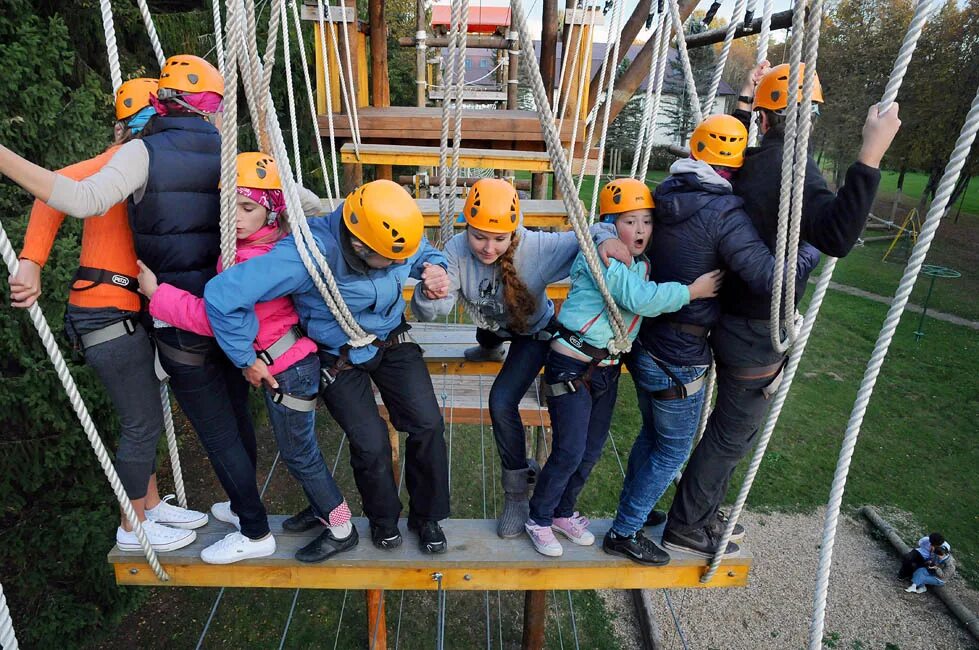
265 357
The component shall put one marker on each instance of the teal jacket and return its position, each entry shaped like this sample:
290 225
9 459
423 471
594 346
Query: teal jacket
584 311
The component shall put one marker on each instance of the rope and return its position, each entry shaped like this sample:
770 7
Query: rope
681 48
592 16
112 49
8 640
740 7
559 95
327 83
452 111
347 95
275 16
664 50
218 34
287 61
352 105
647 101
178 475
762 54
229 135
249 62
798 349
144 11
311 101
78 404
562 173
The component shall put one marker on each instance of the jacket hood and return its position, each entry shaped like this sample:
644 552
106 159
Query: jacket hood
692 185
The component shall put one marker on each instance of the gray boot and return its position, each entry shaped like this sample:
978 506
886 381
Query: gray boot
479 353
518 484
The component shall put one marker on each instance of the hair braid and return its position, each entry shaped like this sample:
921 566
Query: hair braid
520 303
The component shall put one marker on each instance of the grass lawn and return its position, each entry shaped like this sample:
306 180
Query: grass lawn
914 185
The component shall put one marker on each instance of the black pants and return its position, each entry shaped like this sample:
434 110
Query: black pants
733 425
406 388
214 396
909 564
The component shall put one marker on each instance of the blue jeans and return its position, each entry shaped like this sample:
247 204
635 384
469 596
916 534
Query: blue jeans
295 434
214 397
663 443
923 577
580 421
522 365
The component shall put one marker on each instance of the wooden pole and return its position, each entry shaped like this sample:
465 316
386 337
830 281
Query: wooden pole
353 174
629 32
421 36
534 617
377 632
513 69
548 46
380 88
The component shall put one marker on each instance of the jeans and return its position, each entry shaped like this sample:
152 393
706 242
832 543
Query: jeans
295 434
910 563
733 425
214 396
580 421
663 443
923 577
401 376
125 367
522 365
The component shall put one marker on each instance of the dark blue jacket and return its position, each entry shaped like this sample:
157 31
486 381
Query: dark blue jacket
830 222
699 225
175 226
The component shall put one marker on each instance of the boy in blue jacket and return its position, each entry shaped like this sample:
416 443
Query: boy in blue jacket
373 243
581 377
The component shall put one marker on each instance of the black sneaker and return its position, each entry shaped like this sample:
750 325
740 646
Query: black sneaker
720 524
431 539
326 545
302 521
655 518
637 548
701 542
385 537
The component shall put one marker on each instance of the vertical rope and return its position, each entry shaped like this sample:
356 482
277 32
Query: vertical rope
349 95
112 49
664 46
681 48
271 42
647 100
287 61
144 11
8 640
452 94
328 87
762 54
251 77
592 15
178 474
78 404
218 34
740 7
229 134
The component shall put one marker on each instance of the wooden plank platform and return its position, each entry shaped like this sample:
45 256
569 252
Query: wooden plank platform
537 213
466 401
476 560
556 291
417 156
443 346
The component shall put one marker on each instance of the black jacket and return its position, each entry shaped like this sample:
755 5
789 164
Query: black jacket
176 225
830 222
700 226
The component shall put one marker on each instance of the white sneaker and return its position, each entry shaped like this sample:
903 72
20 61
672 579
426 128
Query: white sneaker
162 538
174 516
922 589
543 539
235 547
222 512
912 588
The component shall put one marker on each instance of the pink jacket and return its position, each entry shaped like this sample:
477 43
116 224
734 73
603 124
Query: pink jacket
275 317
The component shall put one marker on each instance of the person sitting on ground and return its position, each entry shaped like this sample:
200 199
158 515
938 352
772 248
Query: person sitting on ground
919 557
373 242
581 376
938 570
500 271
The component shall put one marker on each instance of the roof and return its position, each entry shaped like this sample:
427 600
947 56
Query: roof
482 20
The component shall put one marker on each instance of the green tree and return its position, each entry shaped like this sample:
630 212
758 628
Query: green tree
676 105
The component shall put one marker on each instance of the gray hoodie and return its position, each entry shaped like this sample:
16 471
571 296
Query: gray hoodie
542 258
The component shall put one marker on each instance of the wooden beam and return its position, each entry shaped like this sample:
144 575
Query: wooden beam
380 87
474 41
377 630
513 72
381 154
548 44
781 20
629 32
534 619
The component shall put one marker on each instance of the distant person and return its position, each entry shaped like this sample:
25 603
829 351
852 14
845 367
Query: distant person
938 570
919 557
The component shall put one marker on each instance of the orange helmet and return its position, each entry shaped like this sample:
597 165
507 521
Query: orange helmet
772 92
186 73
492 205
258 171
719 140
385 217
623 195
133 96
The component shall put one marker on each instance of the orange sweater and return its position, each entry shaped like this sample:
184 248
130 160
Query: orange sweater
107 243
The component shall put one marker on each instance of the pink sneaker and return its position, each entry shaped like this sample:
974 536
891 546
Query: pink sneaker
574 528
543 539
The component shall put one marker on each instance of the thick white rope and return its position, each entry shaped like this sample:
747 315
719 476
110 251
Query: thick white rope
798 349
740 7
271 43
579 95
234 20
293 126
452 112
664 52
562 173
762 55
350 74
78 404
218 34
558 99
349 95
681 48
144 11
647 100
8 640
112 49
333 191
251 66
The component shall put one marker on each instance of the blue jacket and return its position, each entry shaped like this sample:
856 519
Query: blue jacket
699 225
176 225
584 311
373 295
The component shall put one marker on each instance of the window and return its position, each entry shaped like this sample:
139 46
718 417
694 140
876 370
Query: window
484 63
469 63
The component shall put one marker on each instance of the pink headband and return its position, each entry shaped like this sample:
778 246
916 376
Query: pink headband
272 200
205 102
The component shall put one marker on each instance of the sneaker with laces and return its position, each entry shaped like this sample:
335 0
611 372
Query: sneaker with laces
222 512
162 538
543 539
701 542
720 524
174 516
235 547
385 537
575 528
431 539
637 548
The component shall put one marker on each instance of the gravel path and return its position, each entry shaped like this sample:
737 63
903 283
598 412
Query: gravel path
868 607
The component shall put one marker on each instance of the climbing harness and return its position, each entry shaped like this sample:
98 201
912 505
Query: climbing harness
125 327
102 276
